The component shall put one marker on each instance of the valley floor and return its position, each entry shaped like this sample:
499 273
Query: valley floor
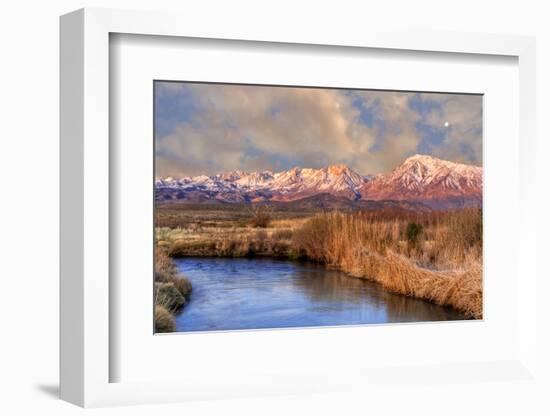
435 256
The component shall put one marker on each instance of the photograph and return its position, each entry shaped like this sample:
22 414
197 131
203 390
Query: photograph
299 206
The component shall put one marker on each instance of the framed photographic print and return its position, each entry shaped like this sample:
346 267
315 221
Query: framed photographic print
271 214
281 207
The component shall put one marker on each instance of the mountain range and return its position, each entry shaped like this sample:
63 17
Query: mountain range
421 180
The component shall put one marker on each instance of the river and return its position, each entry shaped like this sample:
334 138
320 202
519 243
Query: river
233 294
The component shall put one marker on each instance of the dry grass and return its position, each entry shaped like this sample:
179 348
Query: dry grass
183 285
223 241
172 291
166 272
164 320
168 296
165 269
443 266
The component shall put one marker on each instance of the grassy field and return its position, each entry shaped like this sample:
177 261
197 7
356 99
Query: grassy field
435 256
234 231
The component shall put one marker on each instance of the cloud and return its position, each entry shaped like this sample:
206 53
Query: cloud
463 136
395 124
208 128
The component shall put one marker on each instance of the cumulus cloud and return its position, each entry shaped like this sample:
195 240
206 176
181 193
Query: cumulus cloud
208 128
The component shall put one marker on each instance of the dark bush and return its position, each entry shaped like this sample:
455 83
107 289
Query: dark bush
414 232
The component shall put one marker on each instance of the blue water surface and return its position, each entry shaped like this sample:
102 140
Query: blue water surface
265 293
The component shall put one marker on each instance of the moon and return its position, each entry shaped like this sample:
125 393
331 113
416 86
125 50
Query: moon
446 124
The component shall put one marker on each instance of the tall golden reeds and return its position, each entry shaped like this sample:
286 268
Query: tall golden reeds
441 263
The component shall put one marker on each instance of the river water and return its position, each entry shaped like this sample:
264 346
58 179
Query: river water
265 293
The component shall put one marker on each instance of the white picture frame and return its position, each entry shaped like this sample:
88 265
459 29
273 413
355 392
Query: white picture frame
86 353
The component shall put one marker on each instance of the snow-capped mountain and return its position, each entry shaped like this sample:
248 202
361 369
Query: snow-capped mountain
336 180
425 179
422 178
290 185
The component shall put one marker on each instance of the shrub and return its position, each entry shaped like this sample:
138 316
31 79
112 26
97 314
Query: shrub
261 216
414 232
164 320
168 296
183 285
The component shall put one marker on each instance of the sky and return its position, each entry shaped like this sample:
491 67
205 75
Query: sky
204 129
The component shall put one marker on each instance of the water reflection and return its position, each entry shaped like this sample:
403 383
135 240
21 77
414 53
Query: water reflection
338 288
258 293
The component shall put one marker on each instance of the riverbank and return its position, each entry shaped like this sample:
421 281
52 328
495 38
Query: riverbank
437 259
432 256
172 292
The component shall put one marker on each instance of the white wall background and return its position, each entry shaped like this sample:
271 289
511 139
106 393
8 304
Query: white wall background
29 115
